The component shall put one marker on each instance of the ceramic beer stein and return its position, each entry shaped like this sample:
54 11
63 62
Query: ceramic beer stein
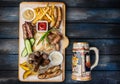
81 66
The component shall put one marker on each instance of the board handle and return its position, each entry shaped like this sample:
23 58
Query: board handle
65 42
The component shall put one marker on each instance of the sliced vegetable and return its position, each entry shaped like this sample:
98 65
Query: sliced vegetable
28 46
44 35
24 53
32 41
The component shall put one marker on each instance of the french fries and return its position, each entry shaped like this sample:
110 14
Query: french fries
48 16
52 14
40 16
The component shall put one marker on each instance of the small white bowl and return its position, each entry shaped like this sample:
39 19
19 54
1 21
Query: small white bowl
32 11
58 61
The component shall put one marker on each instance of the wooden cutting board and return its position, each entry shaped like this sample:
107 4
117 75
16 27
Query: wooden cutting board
64 41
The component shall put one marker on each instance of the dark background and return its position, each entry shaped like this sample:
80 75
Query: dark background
94 21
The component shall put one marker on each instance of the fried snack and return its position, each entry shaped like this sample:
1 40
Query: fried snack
26 74
48 16
24 63
24 66
41 10
40 16
50 75
52 14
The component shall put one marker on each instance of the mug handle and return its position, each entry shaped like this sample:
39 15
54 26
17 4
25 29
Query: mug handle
96 57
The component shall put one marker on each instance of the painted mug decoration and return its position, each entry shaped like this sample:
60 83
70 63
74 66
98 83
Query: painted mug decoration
81 66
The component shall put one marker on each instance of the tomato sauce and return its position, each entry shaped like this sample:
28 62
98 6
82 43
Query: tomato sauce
42 26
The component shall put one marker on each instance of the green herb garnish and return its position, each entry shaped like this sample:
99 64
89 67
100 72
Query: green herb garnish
46 34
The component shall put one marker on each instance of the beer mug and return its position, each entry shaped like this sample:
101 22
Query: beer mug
81 66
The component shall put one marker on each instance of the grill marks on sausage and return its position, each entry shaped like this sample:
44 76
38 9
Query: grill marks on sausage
24 31
27 30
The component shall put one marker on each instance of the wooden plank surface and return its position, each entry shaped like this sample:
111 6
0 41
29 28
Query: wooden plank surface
9 46
84 30
71 3
109 77
73 30
107 62
106 46
94 21
105 15
9 30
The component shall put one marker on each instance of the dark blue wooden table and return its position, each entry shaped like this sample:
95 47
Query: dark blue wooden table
94 21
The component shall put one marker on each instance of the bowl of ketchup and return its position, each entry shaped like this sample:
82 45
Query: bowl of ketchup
42 26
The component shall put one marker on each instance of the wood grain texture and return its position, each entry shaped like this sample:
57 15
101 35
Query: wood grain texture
8 46
106 63
84 30
94 21
9 30
109 77
9 14
8 62
96 15
106 46
72 3
73 30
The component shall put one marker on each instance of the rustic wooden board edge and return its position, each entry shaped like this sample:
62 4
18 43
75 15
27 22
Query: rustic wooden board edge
74 15
109 77
65 42
70 3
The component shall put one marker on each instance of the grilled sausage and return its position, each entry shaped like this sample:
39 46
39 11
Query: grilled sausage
59 18
50 75
24 31
29 29
55 17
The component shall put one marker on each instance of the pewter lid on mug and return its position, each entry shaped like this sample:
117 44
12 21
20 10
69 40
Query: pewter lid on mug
80 46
